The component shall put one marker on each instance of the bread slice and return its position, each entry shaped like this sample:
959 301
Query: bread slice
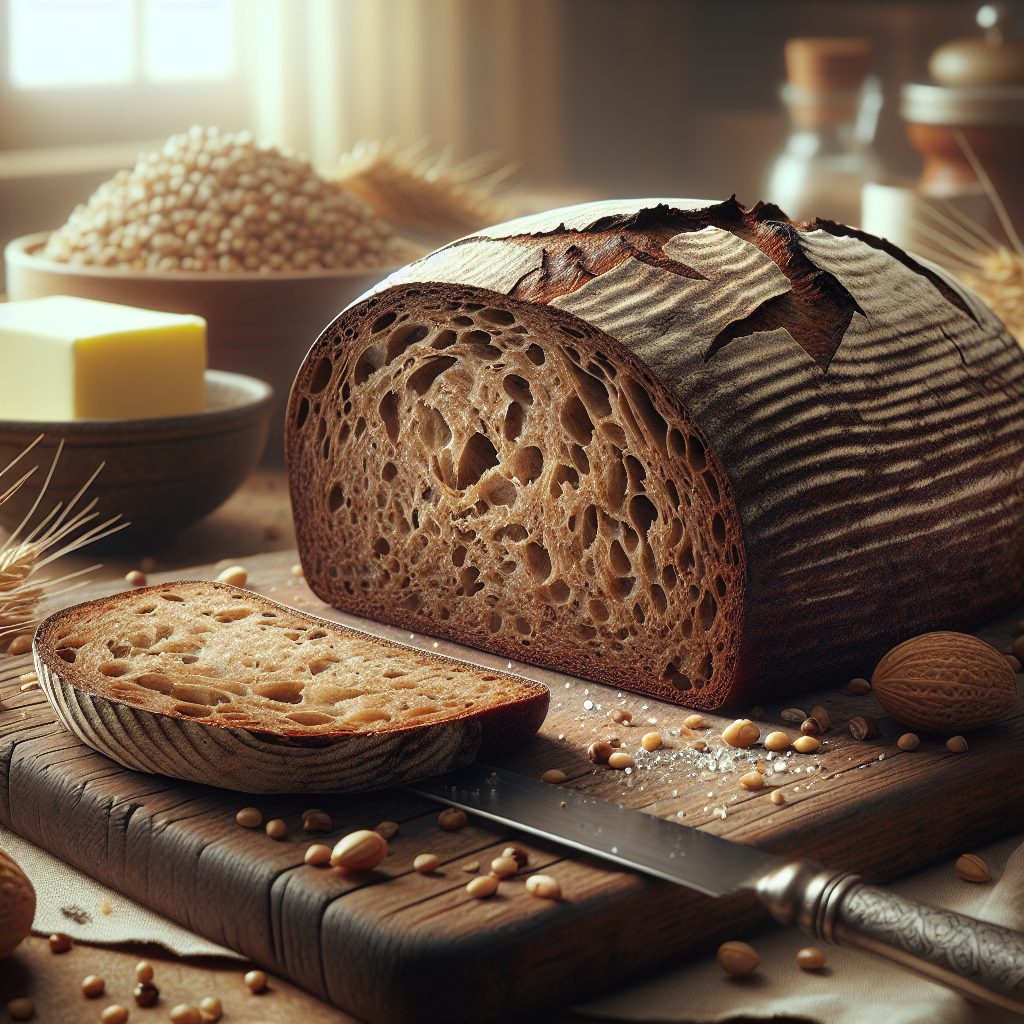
704 453
214 684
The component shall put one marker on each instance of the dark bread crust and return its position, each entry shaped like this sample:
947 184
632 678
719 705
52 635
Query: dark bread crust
243 738
866 414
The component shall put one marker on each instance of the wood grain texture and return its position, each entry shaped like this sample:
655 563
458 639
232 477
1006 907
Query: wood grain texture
393 945
867 410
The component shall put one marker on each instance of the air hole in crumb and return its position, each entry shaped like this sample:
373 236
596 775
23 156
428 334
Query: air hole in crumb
695 455
336 498
659 598
523 626
518 389
536 355
281 692
579 459
560 592
389 415
389 472
308 718
321 376
589 526
445 339
113 669
577 422
618 558
643 513
501 317
156 681
515 415
424 376
301 413
477 457
707 610
383 321
538 561
494 622
528 464
434 430
402 338
599 610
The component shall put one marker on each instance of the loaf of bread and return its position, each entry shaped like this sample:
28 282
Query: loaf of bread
687 449
214 684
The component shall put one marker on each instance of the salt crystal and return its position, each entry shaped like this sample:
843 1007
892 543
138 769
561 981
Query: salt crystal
881 757
587 704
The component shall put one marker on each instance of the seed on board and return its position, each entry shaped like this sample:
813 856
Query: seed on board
234 576
820 715
908 741
1013 663
543 886
359 851
806 744
737 958
859 686
426 862
651 741
810 727
20 645
614 741
386 829
752 780
145 994
695 722
318 854
277 829
554 777
862 728
451 819
482 887
599 752
521 857
59 942
316 821
249 817
777 797
972 868
504 867
92 986
114 1014
810 958
136 578
776 741
185 1014
620 716
471 866
742 733
956 745
256 980
210 1010
297 570
144 972
620 760
793 715
21 1009
699 745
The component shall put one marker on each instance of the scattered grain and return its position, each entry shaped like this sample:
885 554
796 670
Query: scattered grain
185 1014
59 942
543 886
554 777
144 972
210 1010
956 745
297 571
752 780
737 958
21 1009
145 994
777 797
425 863
32 684
620 716
972 868
742 733
1013 663
862 728
806 744
316 821
249 817
810 958
776 741
859 686
359 851
793 715
451 819
599 752
482 887
277 829
20 645
114 1014
695 722
318 854
820 715
651 741
521 857
470 866
908 741
387 829
620 760
699 745
256 981
234 576
105 908
504 867
810 727
92 986
136 578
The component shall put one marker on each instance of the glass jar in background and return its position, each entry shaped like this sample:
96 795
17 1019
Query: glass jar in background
833 106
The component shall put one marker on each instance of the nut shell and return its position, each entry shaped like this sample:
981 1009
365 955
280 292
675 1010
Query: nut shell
945 682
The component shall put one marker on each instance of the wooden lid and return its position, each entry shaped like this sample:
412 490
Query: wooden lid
828 63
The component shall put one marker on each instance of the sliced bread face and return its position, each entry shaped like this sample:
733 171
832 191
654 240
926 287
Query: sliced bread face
215 684
504 475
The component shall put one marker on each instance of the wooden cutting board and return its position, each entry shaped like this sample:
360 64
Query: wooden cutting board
395 946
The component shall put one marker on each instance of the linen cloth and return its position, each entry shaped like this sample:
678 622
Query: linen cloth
852 988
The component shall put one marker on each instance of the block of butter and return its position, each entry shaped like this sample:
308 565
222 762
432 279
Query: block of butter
66 358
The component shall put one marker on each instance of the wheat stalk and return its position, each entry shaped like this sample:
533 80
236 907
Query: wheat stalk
23 555
424 188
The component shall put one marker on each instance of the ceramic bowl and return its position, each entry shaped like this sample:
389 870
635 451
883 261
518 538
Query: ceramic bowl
258 324
161 474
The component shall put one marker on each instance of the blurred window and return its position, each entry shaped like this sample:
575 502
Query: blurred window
73 43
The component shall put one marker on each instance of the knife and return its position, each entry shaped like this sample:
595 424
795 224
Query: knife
981 961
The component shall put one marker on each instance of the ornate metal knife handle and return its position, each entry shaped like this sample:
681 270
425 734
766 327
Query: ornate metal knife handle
980 961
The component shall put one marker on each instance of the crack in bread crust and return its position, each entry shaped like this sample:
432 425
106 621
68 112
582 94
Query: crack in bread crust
504 474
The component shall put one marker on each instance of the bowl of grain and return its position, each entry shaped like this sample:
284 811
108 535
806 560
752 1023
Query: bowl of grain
160 474
251 238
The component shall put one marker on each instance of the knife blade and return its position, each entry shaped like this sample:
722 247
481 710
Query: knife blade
981 961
